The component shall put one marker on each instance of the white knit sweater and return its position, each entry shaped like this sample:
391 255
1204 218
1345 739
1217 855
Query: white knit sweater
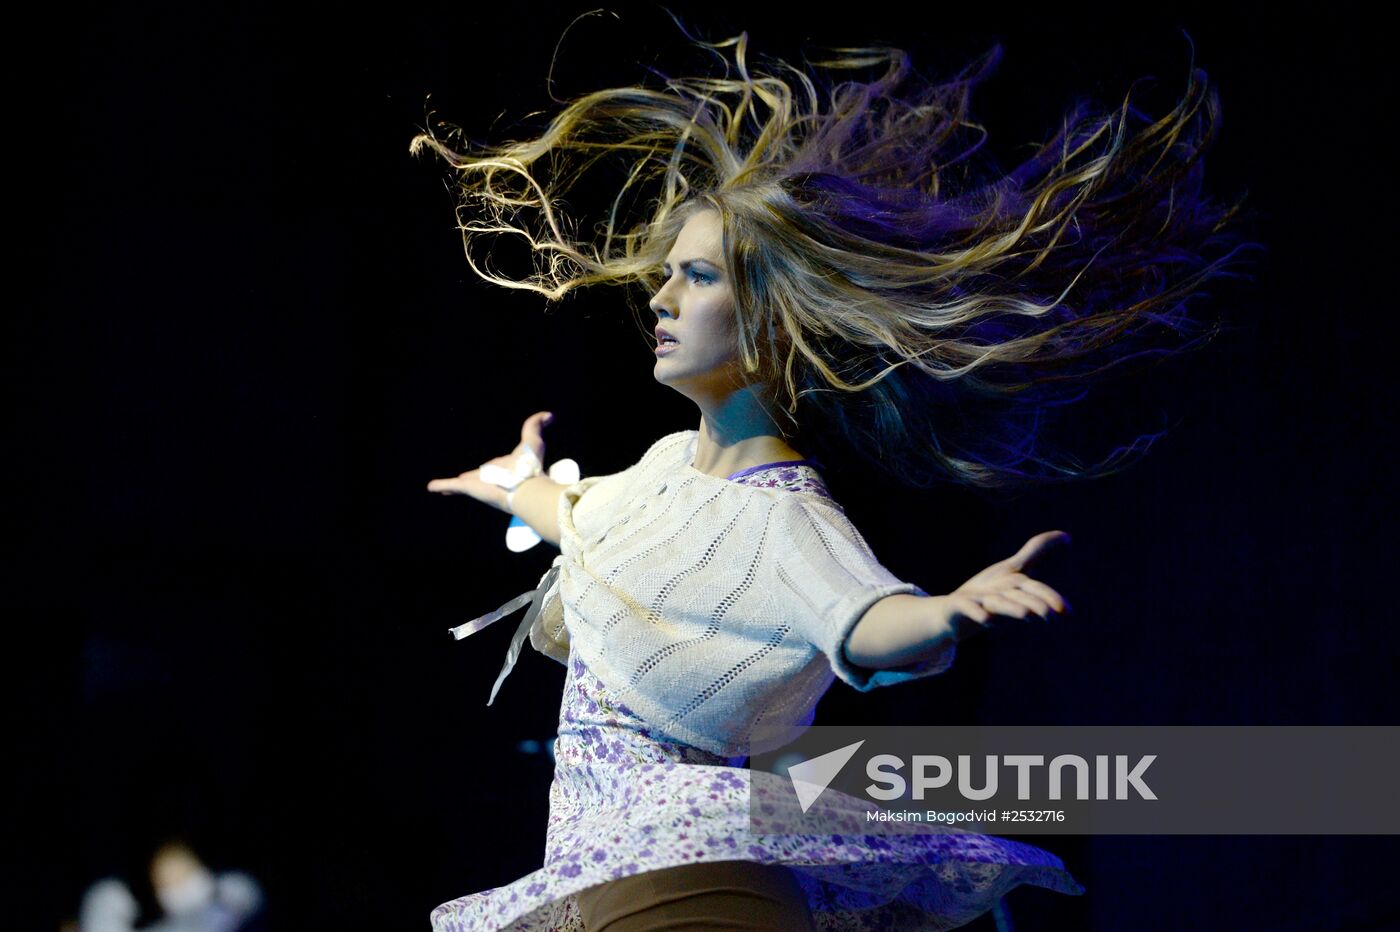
710 606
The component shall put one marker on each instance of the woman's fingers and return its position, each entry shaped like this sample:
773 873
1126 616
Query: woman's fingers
455 485
1031 602
1046 594
1033 549
532 432
1007 594
1037 547
471 483
999 604
1007 600
444 486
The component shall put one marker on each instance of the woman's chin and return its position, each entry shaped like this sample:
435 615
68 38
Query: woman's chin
668 376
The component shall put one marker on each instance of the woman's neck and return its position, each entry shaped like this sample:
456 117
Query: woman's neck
738 432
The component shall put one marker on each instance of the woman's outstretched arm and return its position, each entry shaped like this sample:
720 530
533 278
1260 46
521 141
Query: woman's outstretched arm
535 501
900 630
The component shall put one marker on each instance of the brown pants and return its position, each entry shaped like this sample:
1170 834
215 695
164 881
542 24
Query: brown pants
715 895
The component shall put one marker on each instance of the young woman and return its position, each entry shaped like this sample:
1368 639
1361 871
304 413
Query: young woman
816 290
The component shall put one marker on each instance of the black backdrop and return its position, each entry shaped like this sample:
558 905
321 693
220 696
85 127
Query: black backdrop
251 339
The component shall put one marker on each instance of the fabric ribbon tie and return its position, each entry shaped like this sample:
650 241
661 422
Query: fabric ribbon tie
534 598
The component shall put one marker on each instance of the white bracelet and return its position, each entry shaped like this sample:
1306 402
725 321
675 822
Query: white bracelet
510 494
526 465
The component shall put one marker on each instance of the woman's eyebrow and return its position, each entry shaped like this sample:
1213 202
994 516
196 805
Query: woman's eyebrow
687 263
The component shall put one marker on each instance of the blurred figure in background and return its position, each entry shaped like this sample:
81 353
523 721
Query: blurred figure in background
192 898
108 906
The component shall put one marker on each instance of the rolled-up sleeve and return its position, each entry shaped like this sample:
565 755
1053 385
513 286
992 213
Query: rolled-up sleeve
827 577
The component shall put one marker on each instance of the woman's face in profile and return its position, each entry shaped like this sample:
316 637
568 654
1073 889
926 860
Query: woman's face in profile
697 344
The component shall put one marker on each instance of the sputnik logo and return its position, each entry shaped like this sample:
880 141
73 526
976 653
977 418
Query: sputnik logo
811 777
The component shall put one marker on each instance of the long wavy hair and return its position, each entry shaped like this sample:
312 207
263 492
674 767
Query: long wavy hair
900 305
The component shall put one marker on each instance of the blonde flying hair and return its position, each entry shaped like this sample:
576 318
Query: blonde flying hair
901 307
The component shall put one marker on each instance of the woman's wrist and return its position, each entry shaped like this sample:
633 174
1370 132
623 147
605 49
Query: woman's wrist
943 631
960 626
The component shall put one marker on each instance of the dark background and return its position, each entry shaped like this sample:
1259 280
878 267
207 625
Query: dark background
246 338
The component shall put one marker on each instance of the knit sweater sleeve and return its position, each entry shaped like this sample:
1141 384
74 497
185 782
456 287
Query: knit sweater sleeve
828 577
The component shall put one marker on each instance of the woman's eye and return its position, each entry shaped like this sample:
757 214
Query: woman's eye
695 275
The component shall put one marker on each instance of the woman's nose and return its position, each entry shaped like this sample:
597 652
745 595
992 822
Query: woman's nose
660 304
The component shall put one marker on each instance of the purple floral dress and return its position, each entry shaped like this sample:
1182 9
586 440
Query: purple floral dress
627 799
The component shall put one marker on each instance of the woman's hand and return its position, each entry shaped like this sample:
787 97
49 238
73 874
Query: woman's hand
1003 590
471 483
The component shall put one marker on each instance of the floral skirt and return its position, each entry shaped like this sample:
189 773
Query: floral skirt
627 800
